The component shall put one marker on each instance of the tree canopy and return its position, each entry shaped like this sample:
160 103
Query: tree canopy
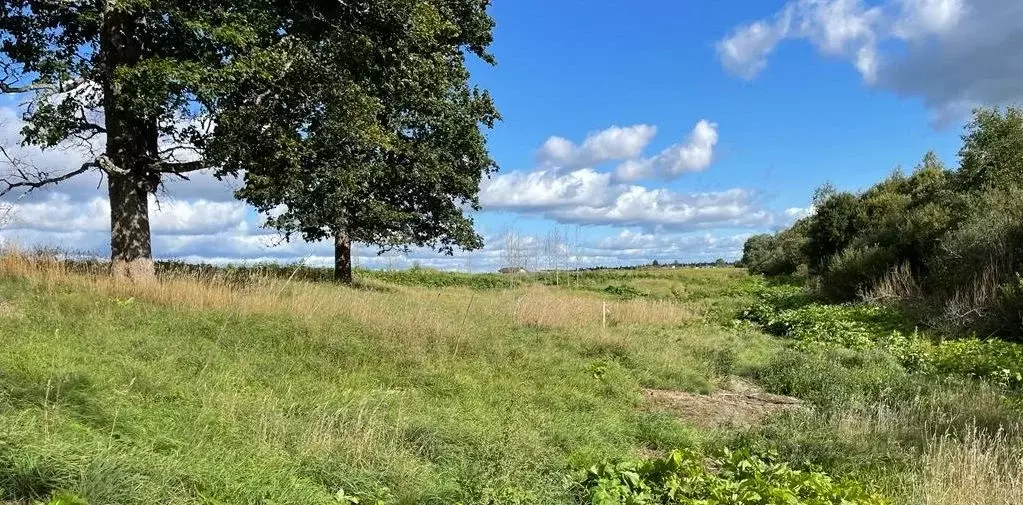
949 241
139 83
321 103
419 162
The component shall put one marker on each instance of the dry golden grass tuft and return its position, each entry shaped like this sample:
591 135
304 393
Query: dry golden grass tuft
547 307
972 467
8 309
412 315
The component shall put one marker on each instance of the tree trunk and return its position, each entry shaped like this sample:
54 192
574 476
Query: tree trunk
131 252
131 143
342 257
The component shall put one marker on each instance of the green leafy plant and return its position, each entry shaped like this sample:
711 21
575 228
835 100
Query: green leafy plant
63 498
742 477
623 291
870 327
998 361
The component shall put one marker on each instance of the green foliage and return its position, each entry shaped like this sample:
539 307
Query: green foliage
789 312
994 360
741 477
946 243
854 270
63 499
864 327
436 279
832 378
148 74
836 221
781 254
385 143
992 152
623 291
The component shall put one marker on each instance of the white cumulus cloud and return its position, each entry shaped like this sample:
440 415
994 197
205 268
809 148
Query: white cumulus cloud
545 189
954 54
200 220
693 155
614 143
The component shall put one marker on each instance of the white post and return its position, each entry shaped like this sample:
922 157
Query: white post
603 316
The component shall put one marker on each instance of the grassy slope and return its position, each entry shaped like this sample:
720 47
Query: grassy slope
192 392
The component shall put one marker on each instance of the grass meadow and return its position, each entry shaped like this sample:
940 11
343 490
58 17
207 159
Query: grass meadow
217 386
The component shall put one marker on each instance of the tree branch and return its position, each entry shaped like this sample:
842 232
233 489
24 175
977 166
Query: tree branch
63 87
31 182
107 165
178 168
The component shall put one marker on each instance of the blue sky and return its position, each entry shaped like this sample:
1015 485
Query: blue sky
576 67
708 122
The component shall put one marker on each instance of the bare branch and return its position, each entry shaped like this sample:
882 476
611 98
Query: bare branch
170 153
53 88
33 181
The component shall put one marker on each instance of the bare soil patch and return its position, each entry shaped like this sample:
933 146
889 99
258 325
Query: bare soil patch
741 403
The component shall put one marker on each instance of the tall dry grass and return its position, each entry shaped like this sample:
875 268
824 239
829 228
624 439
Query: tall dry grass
408 313
972 467
897 285
970 447
553 308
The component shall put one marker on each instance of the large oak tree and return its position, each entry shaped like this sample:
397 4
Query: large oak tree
139 79
402 166
165 87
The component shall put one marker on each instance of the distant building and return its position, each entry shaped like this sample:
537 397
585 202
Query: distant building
513 270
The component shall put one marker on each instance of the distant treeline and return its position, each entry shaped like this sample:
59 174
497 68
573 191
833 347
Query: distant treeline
656 264
944 242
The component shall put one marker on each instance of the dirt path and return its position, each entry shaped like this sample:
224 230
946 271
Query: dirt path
742 403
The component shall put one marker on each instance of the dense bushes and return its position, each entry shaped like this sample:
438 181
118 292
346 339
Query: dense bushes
868 329
947 243
741 477
780 254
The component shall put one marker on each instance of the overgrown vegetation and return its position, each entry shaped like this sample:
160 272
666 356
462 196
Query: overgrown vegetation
943 243
261 385
730 478
883 394
787 312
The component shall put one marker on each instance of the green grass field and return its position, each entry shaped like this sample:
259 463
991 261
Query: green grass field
434 388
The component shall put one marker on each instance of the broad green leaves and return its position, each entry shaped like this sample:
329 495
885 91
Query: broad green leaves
741 477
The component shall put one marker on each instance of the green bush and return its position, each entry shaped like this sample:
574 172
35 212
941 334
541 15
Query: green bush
855 269
833 378
958 233
623 291
741 477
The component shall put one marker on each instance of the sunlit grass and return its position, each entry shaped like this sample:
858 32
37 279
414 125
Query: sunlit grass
196 389
268 386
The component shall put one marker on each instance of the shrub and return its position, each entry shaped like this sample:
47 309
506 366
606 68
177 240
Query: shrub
742 477
995 360
854 270
838 218
623 291
781 254
957 235
833 378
